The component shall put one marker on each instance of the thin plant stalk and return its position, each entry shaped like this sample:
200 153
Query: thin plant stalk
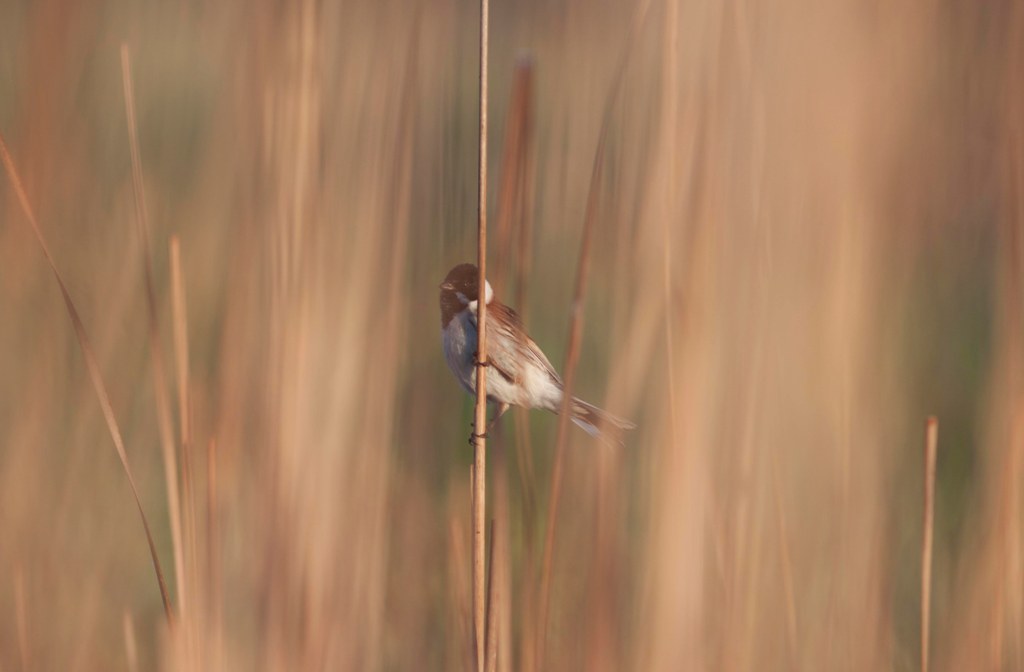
501 606
491 657
131 647
214 585
575 337
181 358
460 596
670 121
513 155
163 404
514 208
524 447
571 359
22 618
787 565
479 440
93 368
930 449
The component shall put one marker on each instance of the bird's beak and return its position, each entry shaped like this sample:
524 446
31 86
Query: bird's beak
445 285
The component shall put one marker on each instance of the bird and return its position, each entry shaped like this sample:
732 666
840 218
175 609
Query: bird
522 374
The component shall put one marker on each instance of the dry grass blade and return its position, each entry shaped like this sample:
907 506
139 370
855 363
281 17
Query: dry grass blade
511 188
479 444
514 209
491 656
92 367
181 358
22 618
180 344
131 647
460 596
670 118
576 334
156 352
179 320
523 190
572 357
502 594
215 590
787 565
930 448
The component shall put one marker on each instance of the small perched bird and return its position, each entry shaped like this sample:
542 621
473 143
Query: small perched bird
520 373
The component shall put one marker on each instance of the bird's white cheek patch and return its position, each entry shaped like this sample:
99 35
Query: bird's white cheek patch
488 292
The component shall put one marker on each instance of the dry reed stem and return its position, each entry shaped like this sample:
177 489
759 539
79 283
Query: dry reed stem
92 366
524 444
21 617
491 657
510 187
670 120
180 325
575 336
500 559
787 566
514 209
1010 601
156 352
572 357
527 184
215 589
604 618
179 321
479 442
930 447
515 204
460 596
131 646
85 638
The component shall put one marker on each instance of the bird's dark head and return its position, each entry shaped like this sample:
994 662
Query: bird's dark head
460 290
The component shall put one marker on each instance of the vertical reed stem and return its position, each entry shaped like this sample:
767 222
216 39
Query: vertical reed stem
491 634
479 444
92 367
930 447
156 350
571 359
576 334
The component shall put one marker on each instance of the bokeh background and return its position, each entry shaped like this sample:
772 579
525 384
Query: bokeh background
809 236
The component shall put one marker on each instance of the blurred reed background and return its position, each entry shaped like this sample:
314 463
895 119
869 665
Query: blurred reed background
809 237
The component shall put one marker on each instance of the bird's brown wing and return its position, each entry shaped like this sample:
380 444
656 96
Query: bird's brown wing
502 327
505 327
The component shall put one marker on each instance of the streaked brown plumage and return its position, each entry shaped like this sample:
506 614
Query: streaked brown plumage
524 376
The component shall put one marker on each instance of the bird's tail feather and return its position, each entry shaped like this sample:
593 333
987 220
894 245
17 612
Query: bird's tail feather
597 422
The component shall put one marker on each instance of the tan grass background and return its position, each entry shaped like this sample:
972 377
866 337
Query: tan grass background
810 238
